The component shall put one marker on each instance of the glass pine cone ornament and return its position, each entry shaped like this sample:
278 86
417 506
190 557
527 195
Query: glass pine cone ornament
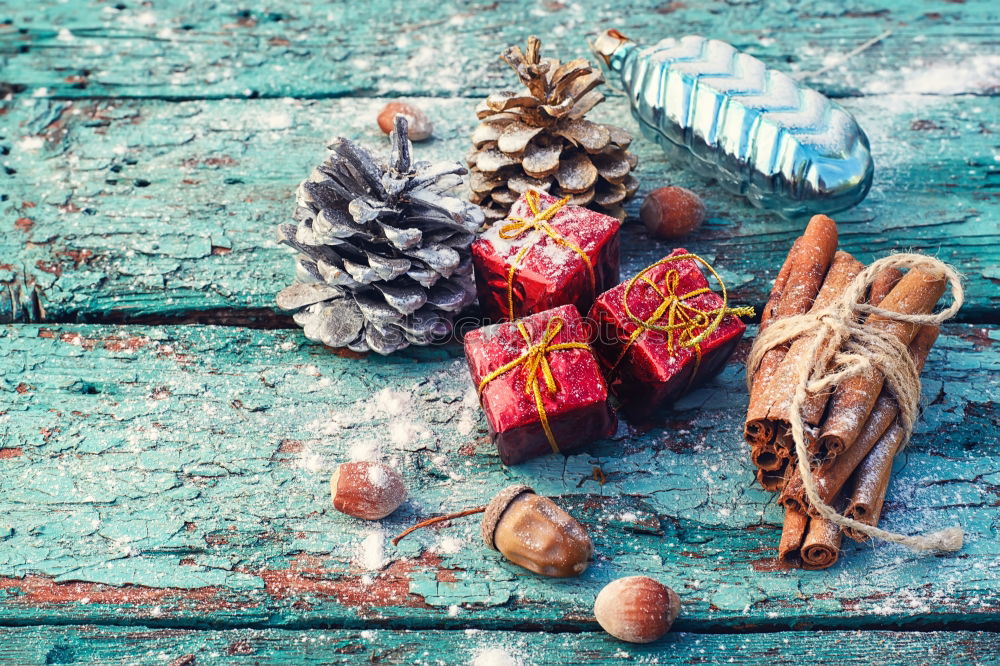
538 138
726 115
384 259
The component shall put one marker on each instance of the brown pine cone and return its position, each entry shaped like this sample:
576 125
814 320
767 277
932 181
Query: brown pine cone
538 138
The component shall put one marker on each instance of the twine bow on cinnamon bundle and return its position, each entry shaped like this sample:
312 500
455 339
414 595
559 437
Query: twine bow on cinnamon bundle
539 221
536 369
685 325
848 340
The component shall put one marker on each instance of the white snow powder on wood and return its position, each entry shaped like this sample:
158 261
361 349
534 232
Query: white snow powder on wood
370 554
495 656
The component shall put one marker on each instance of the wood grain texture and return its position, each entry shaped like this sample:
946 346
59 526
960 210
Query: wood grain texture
177 476
104 646
116 210
184 49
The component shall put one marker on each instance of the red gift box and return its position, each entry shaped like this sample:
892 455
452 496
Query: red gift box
545 254
540 384
664 331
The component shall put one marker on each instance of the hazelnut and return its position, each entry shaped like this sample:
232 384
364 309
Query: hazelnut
533 532
672 212
636 609
420 126
368 490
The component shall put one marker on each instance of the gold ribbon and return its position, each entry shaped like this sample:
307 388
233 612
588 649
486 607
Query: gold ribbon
516 226
682 319
534 360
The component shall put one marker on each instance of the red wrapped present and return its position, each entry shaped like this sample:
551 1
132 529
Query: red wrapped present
540 384
664 331
546 254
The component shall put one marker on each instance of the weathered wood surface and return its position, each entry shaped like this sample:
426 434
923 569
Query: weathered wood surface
170 207
129 208
100 646
175 477
184 49
178 476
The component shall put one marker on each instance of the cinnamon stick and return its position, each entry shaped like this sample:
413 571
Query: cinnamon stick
833 473
883 283
767 456
821 547
773 480
843 269
797 285
871 478
809 543
793 532
853 400
872 481
780 282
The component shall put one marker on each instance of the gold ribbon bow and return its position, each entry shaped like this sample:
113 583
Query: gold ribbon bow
682 319
516 226
534 361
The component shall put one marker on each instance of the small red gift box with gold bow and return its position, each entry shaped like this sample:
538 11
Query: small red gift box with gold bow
664 331
539 384
545 254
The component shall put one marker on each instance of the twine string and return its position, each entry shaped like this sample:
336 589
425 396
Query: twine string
539 220
842 346
683 320
536 369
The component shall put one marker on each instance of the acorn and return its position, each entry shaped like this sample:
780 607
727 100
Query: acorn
368 490
419 127
636 609
533 532
529 530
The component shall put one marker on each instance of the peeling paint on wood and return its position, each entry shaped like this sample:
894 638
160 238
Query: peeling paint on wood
178 475
178 49
171 207
102 646
175 476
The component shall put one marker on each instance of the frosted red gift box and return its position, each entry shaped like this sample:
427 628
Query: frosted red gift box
505 361
545 254
649 368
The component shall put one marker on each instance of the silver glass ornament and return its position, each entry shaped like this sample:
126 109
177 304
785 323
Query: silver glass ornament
725 114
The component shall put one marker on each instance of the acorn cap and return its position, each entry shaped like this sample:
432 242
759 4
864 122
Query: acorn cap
496 507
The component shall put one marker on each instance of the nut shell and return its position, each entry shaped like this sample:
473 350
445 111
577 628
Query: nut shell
672 212
420 126
636 609
368 490
533 532
495 509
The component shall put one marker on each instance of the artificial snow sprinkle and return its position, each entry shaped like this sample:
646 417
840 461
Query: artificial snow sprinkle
309 460
389 402
31 143
364 450
977 75
495 656
377 476
371 552
450 545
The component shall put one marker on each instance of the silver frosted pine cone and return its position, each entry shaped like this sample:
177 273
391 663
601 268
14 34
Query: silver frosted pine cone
384 259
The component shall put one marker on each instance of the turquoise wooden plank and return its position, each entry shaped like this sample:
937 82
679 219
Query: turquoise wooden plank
103 646
132 208
177 476
184 49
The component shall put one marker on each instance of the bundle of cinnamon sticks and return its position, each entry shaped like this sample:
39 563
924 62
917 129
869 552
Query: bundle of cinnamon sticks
852 432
